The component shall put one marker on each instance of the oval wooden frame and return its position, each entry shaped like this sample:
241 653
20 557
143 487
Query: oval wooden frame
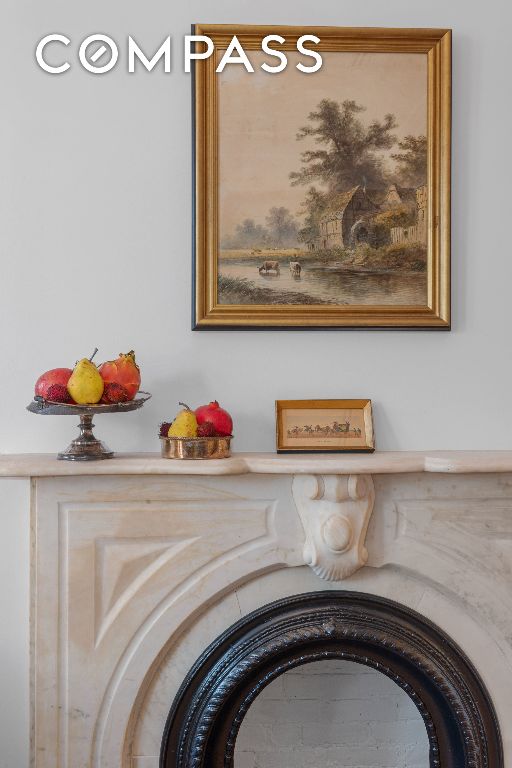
208 710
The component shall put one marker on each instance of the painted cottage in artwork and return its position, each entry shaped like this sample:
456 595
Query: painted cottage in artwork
341 226
348 221
399 196
417 233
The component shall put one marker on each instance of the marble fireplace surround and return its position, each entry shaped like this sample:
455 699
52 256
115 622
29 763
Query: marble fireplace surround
139 563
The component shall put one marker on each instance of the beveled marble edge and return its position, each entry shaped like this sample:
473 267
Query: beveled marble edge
380 462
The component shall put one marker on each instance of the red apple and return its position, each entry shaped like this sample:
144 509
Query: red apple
216 416
48 379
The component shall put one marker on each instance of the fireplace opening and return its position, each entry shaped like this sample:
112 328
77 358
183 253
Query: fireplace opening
205 725
332 712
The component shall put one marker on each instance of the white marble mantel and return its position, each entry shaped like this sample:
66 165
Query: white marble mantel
378 463
139 562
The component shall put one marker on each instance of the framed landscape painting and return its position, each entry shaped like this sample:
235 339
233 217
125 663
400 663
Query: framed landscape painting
322 200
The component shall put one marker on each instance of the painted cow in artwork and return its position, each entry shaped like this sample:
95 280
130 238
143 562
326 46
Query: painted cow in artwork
269 266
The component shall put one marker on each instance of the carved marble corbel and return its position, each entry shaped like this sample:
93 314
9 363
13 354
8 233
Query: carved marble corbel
335 511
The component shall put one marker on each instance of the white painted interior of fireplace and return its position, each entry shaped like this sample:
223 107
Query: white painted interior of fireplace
329 713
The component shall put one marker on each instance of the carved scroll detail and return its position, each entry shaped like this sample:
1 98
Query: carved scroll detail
335 511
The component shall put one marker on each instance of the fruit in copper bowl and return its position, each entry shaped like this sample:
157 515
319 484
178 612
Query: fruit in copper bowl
123 372
201 434
48 379
184 425
206 429
219 419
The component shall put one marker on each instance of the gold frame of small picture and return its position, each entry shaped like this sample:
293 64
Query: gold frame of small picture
346 426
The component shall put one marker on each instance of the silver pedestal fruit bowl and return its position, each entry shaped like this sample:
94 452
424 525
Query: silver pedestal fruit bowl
85 447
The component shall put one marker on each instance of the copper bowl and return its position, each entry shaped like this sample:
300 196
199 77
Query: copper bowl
195 447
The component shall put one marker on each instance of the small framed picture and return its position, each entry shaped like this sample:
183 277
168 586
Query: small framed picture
324 426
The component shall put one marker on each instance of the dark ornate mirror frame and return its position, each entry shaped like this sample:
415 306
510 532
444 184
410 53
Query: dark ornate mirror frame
208 710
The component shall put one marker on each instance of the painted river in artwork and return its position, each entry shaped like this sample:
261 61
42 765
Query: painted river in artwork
329 284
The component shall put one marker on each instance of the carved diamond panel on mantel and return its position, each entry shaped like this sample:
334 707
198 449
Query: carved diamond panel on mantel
159 546
465 544
122 567
476 528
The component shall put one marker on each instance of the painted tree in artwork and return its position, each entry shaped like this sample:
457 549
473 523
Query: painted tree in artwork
281 226
248 234
349 152
312 209
412 161
281 230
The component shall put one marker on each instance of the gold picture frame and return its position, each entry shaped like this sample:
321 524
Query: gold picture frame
433 311
325 426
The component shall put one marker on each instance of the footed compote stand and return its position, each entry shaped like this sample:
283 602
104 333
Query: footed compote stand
85 447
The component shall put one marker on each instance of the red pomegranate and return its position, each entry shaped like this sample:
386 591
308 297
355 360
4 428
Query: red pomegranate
49 378
216 416
123 371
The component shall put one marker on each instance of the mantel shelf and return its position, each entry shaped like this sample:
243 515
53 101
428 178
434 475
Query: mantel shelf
380 462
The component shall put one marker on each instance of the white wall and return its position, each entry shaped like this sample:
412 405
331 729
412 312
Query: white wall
95 248
95 228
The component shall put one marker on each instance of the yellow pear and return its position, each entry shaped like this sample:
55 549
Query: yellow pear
85 384
184 425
